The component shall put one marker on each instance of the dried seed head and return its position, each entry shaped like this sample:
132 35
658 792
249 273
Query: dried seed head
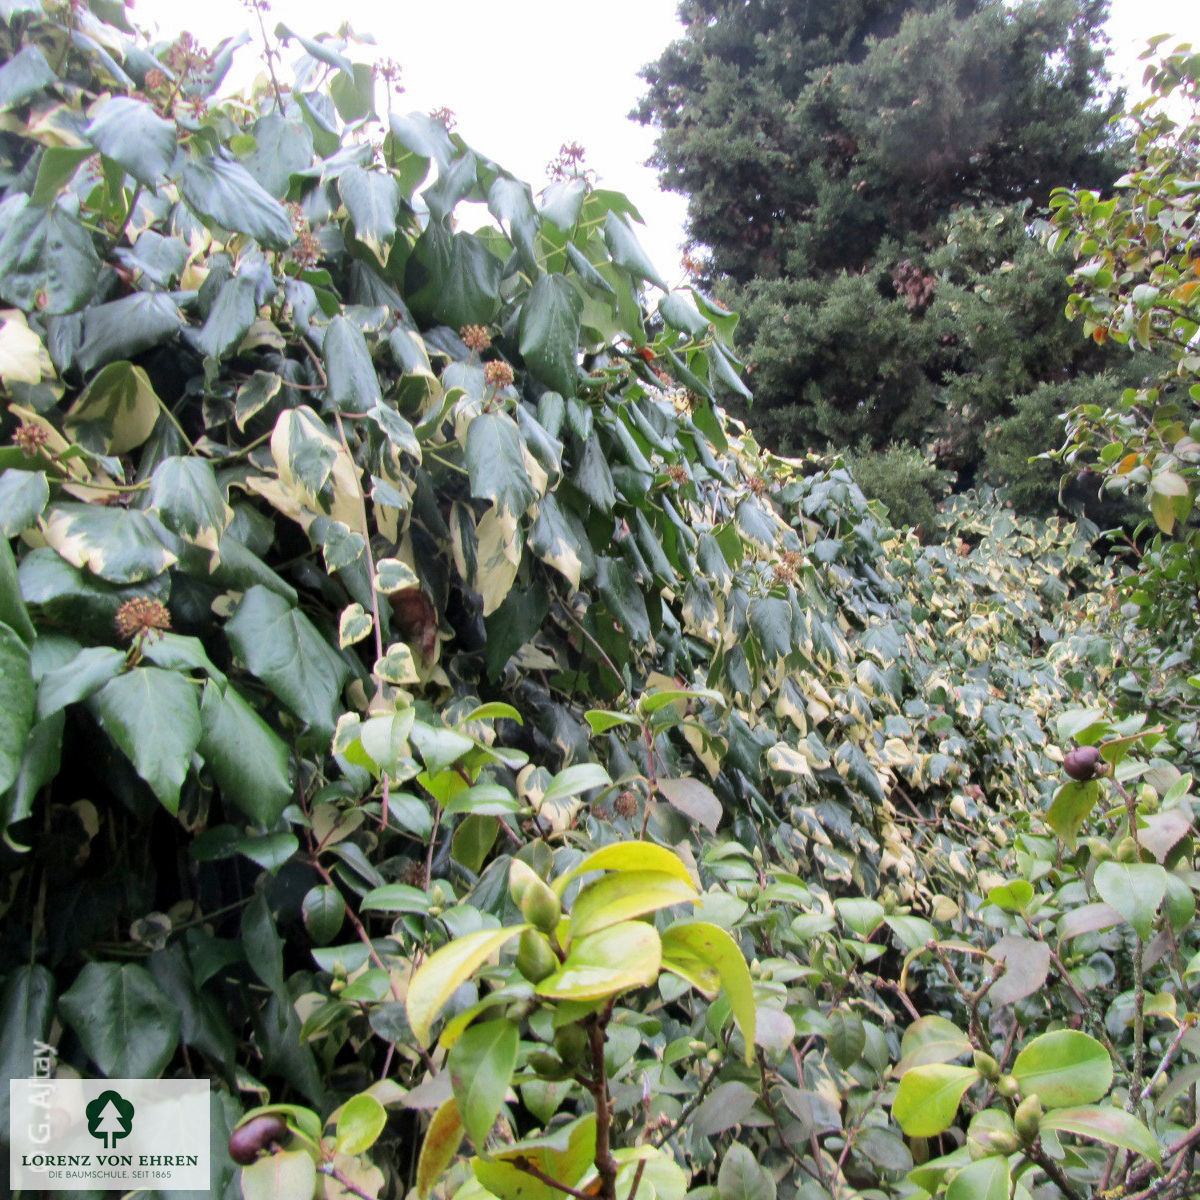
678 473
757 484
475 337
30 439
793 559
498 374
142 616
626 804
784 573
413 874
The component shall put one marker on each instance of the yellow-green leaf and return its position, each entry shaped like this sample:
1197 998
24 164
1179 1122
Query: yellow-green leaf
359 1124
624 895
627 856
607 963
1104 1123
927 1098
439 1147
444 970
709 959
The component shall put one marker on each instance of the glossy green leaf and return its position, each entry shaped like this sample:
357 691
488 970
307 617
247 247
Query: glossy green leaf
185 495
85 673
709 959
435 980
324 912
18 697
564 1154
280 645
571 781
627 856
154 717
131 133
224 192
931 1039
359 1124
23 76
549 342
481 1064
928 1096
1135 890
626 250
1013 896
26 1011
607 963
742 1178
496 466
353 383
846 1037
47 260
441 1144
373 201
988 1179
1105 1123
1064 1068
1070 809
623 895
125 1022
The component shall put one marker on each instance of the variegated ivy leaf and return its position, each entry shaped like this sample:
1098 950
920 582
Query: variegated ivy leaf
391 575
314 467
397 666
187 498
354 624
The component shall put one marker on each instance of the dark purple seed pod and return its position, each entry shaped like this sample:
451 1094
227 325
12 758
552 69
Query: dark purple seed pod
1082 763
247 1141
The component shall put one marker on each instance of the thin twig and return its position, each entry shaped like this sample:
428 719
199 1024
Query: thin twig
344 1182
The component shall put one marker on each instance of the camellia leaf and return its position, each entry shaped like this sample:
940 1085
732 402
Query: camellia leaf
931 1039
1104 1123
126 1023
284 1175
481 1064
626 856
132 134
570 781
988 1179
607 963
709 959
846 1037
224 192
928 1096
1135 890
623 895
154 717
565 1154
435 980
742 1178
359 1124
1027 964
324 912
439 1147
1070 808
1064 1067
550 319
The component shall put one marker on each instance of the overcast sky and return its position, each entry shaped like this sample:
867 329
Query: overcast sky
524 76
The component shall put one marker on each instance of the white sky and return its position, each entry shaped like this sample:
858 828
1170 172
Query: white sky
524 76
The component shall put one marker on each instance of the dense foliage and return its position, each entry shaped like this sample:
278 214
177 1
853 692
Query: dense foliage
428 717
862 178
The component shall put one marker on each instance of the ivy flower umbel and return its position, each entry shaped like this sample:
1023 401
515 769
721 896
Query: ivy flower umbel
498 374
30 439
476 338
142 617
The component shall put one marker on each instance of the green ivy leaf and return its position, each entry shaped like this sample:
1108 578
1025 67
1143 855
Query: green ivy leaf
496 465
125 1022
46 253
280 645
248 760
154 717
131 133
353 382
224 192
550 319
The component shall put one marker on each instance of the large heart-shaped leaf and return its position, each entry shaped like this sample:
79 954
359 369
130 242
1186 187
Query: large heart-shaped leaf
131 133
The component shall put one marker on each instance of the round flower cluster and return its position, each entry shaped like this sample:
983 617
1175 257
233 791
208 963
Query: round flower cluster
142 616
498 374
475 337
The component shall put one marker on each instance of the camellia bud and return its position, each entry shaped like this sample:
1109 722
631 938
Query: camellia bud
571 1042
540 907
1007 1086
548 1066
987 1066
1128 849
1028 1118
1082 763
520 876
535 956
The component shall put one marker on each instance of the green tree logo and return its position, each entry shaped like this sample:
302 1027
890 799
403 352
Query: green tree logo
109 1118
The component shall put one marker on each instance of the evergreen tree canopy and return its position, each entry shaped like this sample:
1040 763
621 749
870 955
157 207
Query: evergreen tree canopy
863 176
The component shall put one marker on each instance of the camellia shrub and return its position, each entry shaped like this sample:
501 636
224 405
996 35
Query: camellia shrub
426 716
